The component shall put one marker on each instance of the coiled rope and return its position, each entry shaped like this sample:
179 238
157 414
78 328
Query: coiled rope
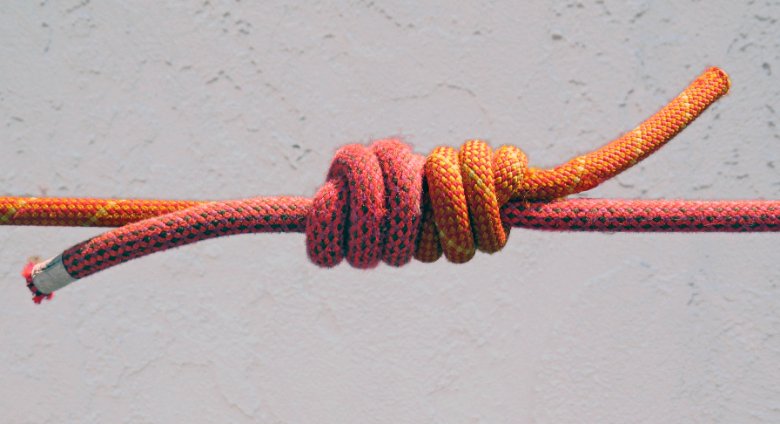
384 203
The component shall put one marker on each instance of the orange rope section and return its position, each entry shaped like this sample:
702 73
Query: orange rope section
518 181
586 172
66 212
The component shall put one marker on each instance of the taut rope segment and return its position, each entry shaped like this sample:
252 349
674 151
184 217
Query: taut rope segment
384 203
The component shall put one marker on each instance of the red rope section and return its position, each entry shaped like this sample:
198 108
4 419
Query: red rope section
291 215
259 215
639 216
384 203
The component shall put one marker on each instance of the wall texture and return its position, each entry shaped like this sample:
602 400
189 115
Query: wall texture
229 99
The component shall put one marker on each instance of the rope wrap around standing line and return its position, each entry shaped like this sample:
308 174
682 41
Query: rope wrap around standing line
384 203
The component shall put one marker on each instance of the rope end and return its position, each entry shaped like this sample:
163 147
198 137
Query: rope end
27 273
44 278
720 75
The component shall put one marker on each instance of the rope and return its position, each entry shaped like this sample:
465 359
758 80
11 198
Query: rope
384 203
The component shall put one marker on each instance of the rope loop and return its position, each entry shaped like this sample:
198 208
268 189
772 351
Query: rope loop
369 208
373 205
467 189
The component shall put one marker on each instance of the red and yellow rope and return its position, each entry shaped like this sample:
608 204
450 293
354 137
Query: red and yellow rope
385 203
64 212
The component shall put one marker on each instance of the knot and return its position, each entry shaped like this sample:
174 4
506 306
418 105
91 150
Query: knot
377 200
385 203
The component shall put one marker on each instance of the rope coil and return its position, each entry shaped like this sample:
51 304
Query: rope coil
384 203
350 217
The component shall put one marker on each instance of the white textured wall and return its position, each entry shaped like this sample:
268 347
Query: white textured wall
228 99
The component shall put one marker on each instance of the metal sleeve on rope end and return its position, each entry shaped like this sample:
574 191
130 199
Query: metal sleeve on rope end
50 275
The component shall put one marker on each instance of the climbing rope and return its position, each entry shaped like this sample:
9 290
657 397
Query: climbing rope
384 203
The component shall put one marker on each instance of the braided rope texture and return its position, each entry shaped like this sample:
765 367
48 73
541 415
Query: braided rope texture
669 216
258 215
66 212
293 214
586 172
384 203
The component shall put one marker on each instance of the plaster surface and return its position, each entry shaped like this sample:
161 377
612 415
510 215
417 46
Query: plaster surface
228 99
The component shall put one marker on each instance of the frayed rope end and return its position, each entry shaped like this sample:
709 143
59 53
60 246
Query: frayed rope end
38 296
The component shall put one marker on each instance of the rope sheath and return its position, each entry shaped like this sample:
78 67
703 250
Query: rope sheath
290 215
384 203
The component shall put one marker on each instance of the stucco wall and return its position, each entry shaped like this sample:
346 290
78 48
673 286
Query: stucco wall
229 99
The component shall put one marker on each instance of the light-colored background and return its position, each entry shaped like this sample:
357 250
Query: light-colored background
228 99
